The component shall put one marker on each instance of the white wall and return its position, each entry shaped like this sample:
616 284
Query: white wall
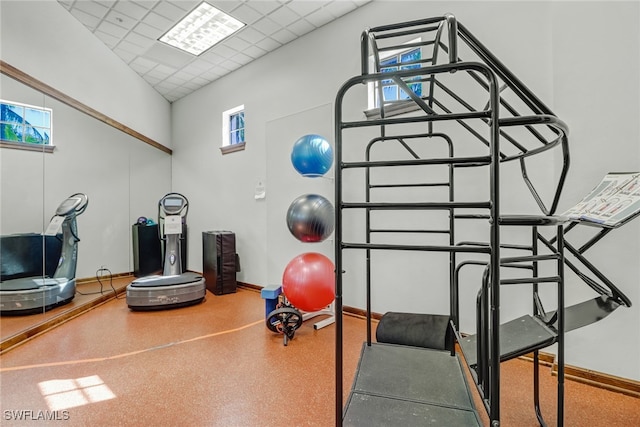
123 177
596 87
553 47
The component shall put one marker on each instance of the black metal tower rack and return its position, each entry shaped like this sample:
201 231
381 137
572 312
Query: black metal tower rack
487 121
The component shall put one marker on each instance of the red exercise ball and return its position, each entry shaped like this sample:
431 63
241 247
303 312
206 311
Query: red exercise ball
309 281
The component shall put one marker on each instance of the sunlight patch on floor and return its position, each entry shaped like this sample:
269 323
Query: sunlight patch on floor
70 393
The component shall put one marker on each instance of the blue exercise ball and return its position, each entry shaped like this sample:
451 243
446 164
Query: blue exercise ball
312 156
310 218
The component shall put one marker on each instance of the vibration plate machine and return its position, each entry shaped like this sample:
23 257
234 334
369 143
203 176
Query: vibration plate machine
174 288
35 294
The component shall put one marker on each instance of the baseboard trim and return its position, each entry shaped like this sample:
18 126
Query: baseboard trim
250 286
106 277
586 376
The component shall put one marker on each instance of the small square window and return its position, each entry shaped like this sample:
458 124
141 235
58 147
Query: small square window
233 130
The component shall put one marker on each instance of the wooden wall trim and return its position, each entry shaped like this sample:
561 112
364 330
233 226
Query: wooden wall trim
34 83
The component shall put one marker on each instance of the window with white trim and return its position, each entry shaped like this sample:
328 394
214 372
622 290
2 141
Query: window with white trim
23 125
407 59
233 130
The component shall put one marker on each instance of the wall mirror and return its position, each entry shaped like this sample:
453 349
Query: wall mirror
123 175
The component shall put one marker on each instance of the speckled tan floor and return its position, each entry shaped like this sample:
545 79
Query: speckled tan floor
216 364
16 329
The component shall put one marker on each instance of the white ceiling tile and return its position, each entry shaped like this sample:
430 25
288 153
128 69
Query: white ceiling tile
254 52
180 92
213 73
130 9
197 80
241 58
167 85
284 16
268 44
152 80
176 81
236 43
114 30
266 26
89 21
120 19
107 39
211 57
148 31
246 14
196 67
168 55
131 48
92 8
139 40
189 87
147 4
303 7
339 8
265 7
169 11
158 21
183 75
107 3
171 97
319 17
230 65
301 27
161 71
223 51
224 5
250 35
142 65
124 55
187 5
283 36
185 90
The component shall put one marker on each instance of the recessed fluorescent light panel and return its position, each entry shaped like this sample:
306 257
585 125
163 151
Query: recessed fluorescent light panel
202 28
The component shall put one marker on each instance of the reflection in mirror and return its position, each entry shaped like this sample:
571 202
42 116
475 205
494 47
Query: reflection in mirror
122 174
22 194
26 289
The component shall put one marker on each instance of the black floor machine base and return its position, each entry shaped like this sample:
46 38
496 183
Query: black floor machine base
166 292
409 386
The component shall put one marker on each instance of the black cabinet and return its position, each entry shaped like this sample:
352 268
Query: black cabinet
219 261
147 255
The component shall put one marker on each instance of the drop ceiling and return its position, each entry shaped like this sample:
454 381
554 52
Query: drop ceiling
131 30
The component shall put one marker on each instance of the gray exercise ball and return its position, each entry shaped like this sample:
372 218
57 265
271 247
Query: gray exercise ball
310 218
